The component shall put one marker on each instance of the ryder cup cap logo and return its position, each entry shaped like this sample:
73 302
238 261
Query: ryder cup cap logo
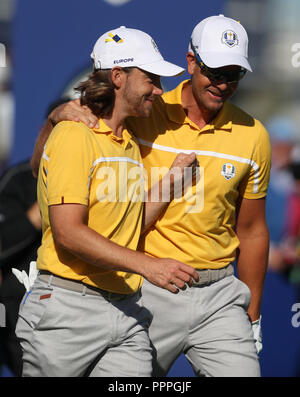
228 171
229 37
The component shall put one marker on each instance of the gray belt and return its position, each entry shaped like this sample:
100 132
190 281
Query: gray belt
78 286
209 276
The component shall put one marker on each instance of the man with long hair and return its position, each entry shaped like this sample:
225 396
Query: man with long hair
85 304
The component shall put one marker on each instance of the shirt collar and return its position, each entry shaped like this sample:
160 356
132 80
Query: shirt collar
176 113
105 129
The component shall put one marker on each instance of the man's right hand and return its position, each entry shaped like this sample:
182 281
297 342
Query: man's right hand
73 111
170 274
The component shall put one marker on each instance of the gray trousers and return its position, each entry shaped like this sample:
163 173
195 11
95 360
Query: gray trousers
209 324
65 333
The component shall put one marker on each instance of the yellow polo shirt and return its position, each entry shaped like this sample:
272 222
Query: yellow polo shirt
103 172
234 156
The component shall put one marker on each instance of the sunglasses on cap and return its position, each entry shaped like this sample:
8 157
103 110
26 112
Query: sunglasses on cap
219 74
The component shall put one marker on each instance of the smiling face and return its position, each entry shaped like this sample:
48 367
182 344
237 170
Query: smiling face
140 91
210 95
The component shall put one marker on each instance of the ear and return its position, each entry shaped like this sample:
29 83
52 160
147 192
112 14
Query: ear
191 62
117 76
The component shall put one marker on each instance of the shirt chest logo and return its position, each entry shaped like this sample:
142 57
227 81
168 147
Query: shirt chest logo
228 171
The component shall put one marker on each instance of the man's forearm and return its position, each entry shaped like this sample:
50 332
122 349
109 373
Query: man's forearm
39 147
99 251
163 192
252 265
156 203
71 233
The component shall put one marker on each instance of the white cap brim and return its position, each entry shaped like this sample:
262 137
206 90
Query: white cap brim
162 68
218 60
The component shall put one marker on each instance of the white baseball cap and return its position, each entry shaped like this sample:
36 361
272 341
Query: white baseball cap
221 41
127 47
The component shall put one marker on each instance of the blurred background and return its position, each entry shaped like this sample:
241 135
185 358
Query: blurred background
45 50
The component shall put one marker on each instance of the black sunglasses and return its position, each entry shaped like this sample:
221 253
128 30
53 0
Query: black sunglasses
219 74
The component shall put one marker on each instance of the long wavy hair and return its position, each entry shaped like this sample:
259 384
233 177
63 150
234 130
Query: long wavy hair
97 92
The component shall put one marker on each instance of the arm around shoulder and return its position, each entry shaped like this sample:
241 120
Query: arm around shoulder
44 133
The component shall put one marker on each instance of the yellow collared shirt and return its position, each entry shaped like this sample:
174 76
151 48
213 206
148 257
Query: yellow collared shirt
101 171
234 156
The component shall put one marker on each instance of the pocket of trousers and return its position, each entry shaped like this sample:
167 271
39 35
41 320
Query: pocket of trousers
34 305
147 313
245 292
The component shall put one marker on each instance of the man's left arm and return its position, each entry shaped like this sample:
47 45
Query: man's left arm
252 231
